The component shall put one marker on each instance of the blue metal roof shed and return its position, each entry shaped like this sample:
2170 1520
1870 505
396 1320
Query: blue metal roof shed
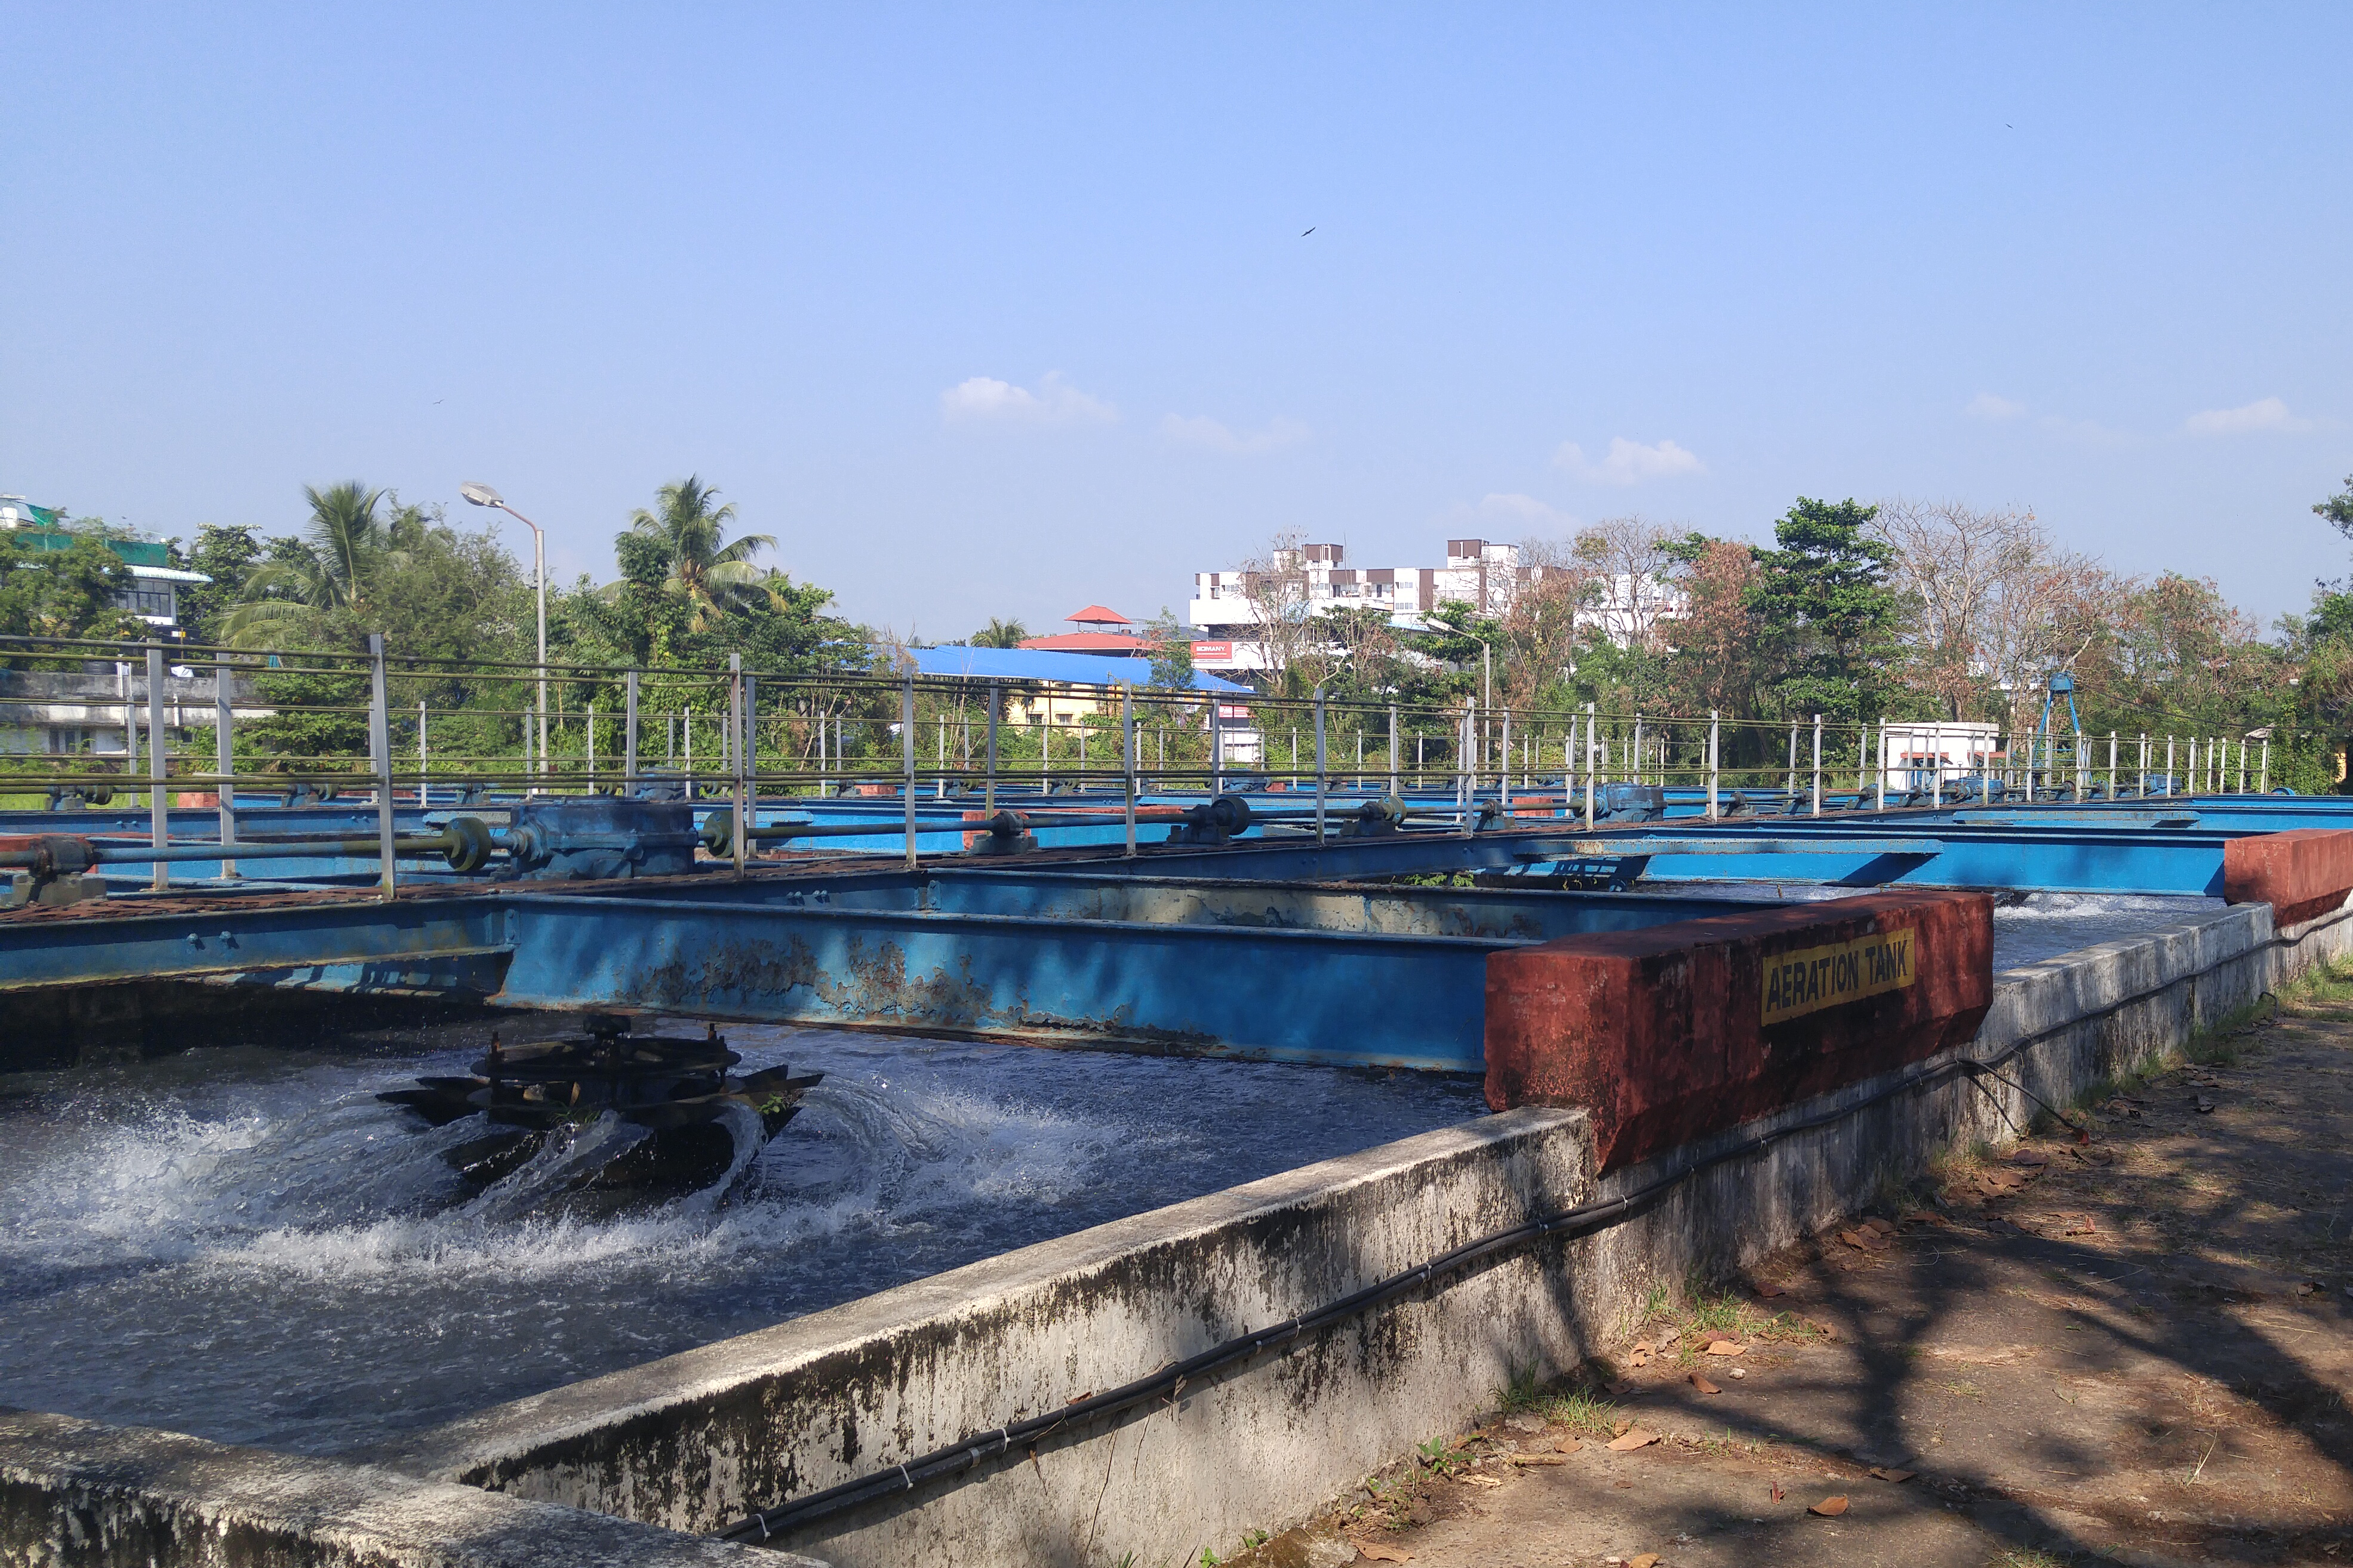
1038 664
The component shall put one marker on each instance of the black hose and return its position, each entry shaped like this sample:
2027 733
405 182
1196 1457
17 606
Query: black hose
1583 1220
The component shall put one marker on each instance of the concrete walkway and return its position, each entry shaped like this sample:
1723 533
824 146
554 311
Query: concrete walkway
2136 1348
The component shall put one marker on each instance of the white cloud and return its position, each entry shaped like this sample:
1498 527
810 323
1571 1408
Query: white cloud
1201 430
1987 406
1515 509
1627 462
2085 432
984 398
2266 413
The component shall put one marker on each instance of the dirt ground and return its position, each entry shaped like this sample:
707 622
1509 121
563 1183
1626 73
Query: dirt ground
2129 1343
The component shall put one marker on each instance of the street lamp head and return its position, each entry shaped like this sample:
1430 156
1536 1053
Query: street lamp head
481 495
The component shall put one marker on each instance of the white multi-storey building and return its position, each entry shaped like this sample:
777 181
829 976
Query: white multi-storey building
1483 575
1486 576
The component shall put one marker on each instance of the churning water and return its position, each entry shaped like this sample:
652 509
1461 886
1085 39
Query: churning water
246 1245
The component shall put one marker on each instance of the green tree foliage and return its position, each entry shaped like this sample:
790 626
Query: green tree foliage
1824 596
1001 634
62 583
366 563
684 536
2338 509
1169 645
228 555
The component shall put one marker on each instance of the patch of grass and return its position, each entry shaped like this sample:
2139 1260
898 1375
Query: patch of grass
1724 1311
2027 1557
1582 1410
1524 1391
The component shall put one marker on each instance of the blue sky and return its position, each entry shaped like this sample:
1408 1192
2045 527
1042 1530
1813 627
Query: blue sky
1001 311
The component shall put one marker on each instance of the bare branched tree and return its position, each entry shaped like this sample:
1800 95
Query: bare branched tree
2000 607
1627 570
1274 585
1540 629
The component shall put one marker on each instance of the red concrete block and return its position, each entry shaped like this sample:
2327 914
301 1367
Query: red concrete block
2300 874
1671 1033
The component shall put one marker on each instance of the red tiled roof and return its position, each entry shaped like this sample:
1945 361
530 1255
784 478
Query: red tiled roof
1099 616
1086 642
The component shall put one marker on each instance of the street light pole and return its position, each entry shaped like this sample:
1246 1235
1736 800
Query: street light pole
482 495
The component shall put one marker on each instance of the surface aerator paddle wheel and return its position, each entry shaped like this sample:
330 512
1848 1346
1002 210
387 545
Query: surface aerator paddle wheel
679 1090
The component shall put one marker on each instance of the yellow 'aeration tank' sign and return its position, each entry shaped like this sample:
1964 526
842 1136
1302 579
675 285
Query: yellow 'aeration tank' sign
1813 978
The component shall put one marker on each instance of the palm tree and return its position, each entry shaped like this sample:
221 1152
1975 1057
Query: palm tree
712 577
1001 634
326 571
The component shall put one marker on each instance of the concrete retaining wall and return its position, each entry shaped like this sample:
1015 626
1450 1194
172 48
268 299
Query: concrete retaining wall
694 1441
74 1494
697 1439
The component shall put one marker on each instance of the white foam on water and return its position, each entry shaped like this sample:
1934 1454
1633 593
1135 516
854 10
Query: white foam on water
253 1248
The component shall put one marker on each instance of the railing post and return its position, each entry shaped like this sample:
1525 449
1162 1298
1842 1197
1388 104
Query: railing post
1715 757
1936 768
1395 788
380 746
629 733
1502 776
129 722
1320 780
423 756
1218 744
1589 764
907 751
225 759
738 817
2168 764
988 781
748 740
1817 765
1127 759
2263 768
590 751
159 798
2242 764
1789 779
2112 764
1462 743
1883 765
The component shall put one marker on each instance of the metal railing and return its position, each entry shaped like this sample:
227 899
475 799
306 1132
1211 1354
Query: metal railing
317 722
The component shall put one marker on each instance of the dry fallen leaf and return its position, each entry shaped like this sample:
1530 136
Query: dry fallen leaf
1778 1493
1725 1347
1855 1240
1768 1290
1643 1559
1703 1386
2081 1225
1635 1437
1382 1553
2030 1158
1894 1477
1479 1480
1830 1507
